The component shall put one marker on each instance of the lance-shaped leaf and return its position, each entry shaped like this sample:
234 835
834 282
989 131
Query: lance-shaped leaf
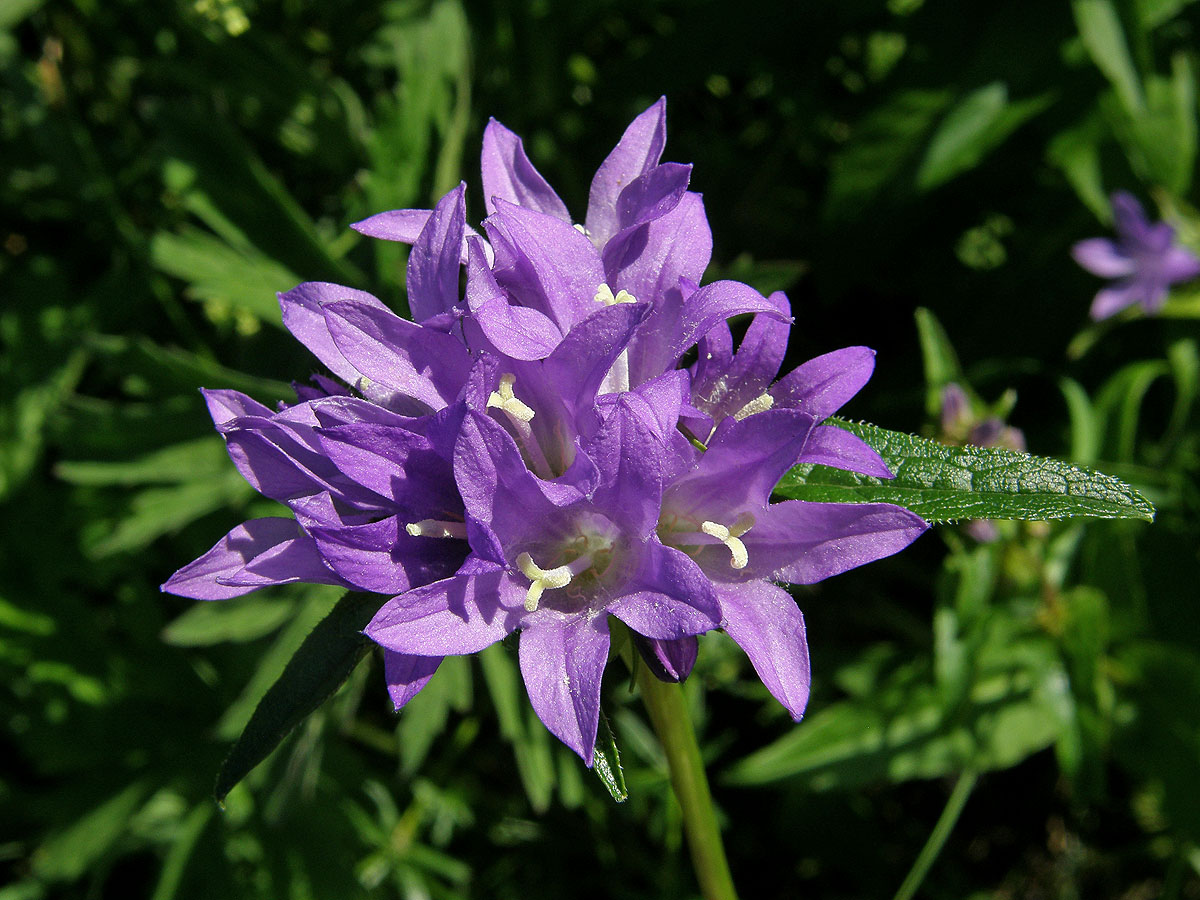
325 659
607 762
944 484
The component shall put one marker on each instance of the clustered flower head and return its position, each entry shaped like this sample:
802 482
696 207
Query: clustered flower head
529 455
1144 261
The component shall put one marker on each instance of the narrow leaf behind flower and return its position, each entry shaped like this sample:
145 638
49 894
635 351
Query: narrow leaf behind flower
944 484
325 660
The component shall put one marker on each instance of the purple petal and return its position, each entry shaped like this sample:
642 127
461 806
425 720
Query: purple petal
718 302
302 316
836 447
1111 300
198 579
226 405
577 367
764 621
652 195
498 491
1130 219
1103 257
743 463
669 661
803 543
427 366
397 464
458 615
670 597
822 385
1179 264
628 450
509 175
516 331
278 460
297 560
403 225
639 149
335 411
1151 294
318 510
545 263
383 558
406 674
715 355
320 388
435 259
271 469
667 396
562 662
649 260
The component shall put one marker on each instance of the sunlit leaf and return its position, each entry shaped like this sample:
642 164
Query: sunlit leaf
946 484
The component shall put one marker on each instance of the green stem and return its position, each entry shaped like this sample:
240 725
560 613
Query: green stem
937 837
669 716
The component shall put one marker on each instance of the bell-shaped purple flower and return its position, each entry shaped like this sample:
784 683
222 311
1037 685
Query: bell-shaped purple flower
718 512
552 562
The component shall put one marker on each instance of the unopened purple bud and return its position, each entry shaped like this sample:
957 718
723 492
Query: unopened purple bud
670 661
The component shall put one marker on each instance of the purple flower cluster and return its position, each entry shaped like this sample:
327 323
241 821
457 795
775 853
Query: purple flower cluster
1144 261
527 454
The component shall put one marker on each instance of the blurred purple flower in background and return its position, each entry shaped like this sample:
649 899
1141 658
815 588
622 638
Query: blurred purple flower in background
1145 260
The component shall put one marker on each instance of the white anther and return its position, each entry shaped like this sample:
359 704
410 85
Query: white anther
761 403
541 580
581 229
504 399
730 536
437 528
604 295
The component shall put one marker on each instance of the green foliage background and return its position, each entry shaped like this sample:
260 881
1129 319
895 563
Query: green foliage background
168 167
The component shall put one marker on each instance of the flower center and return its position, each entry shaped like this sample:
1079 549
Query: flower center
730 536
437 528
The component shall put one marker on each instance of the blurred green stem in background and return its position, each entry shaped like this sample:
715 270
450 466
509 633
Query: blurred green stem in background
667 708
937 837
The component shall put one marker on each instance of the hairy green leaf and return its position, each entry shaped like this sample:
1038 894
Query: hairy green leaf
945 484
607 762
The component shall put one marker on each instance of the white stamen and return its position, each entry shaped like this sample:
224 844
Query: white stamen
541 580
761 403
604 295
730 536
581 229
437 528
504 399
617 379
